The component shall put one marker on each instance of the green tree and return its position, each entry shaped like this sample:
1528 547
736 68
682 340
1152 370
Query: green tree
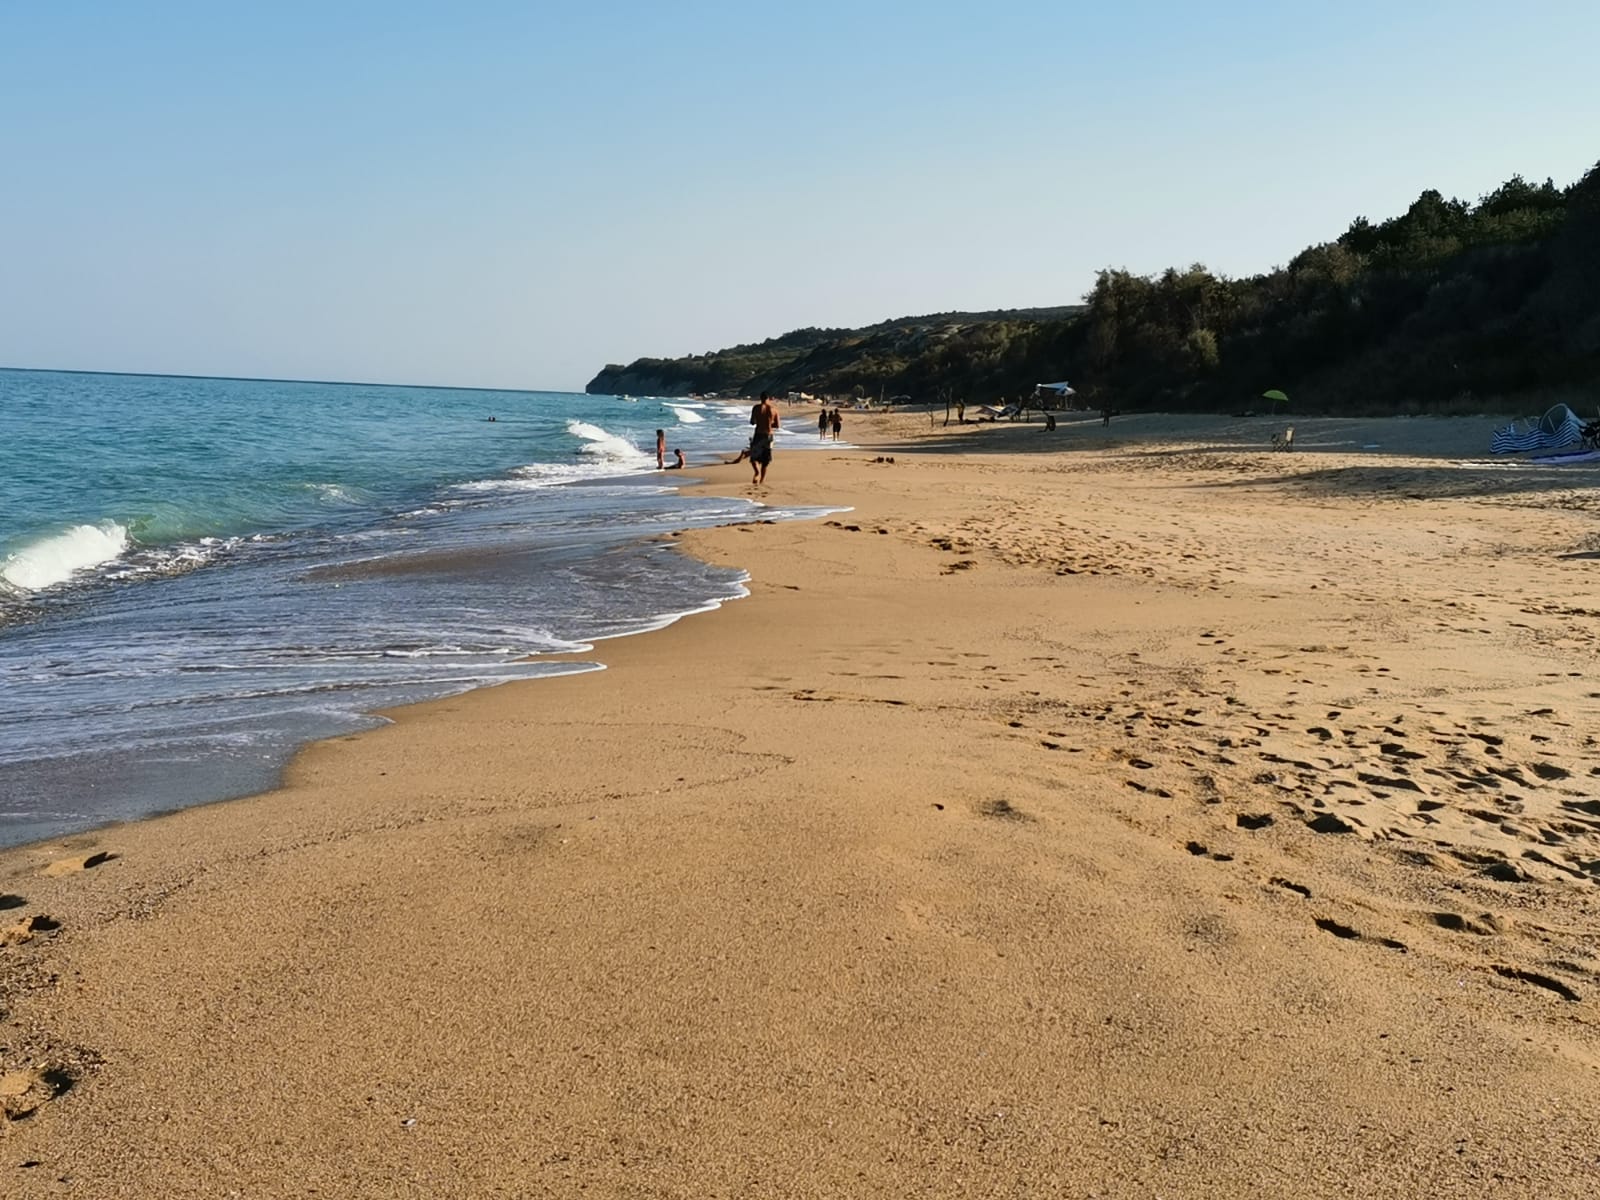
1202 346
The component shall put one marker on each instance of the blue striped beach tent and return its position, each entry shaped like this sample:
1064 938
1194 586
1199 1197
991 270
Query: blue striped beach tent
1557 428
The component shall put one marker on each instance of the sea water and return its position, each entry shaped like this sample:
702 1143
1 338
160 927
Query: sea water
198 576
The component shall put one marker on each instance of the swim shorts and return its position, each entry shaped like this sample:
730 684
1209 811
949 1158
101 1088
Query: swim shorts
761 450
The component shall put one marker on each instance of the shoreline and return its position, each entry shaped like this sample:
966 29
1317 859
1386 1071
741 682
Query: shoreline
887 876
71 773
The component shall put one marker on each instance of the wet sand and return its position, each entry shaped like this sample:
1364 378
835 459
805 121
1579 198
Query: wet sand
1115 812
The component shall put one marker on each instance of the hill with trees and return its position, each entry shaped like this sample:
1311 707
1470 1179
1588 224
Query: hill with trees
906 355
1449 306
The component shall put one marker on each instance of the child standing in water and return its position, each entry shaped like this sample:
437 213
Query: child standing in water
661 448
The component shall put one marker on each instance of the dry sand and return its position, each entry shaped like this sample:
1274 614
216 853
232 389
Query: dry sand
1126 812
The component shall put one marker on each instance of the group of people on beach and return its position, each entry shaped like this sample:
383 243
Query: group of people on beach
827 420
764 416
661 454
766 422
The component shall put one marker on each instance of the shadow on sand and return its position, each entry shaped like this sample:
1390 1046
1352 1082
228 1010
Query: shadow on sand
1567 487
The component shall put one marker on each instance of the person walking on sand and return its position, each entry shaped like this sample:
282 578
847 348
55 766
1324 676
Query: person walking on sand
822 423
837 422
764 416
661 448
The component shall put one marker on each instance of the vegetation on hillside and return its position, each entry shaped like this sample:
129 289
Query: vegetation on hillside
1449 305
906 355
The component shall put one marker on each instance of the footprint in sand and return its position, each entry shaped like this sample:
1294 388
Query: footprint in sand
23 1093
23 930
1538 980
1491 864
1346 932
78 862
1002 810
1329 823
1484 925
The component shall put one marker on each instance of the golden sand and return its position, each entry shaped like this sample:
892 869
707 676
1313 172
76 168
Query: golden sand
1115 812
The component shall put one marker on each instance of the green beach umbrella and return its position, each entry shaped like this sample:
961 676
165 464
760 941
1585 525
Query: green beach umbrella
1275 394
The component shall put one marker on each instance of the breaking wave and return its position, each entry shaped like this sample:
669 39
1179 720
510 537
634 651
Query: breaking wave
56 559
598 443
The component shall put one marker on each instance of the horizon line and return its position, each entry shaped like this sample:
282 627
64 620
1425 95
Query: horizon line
435 387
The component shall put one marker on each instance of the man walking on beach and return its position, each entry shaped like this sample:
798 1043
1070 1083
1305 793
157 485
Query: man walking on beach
765 418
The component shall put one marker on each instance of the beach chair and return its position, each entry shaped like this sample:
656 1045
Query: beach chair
1284 440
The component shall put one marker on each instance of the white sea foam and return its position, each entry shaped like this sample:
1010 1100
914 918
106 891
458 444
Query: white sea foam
543 475
334 492
56 559
448 652
604 445
174 560
663 620
686 414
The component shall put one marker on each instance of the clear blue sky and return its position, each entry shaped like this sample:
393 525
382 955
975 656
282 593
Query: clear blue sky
512 195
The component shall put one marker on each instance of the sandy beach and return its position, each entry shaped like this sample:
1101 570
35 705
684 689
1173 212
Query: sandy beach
1116 812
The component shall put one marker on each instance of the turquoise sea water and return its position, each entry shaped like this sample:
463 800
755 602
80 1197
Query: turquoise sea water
199 575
